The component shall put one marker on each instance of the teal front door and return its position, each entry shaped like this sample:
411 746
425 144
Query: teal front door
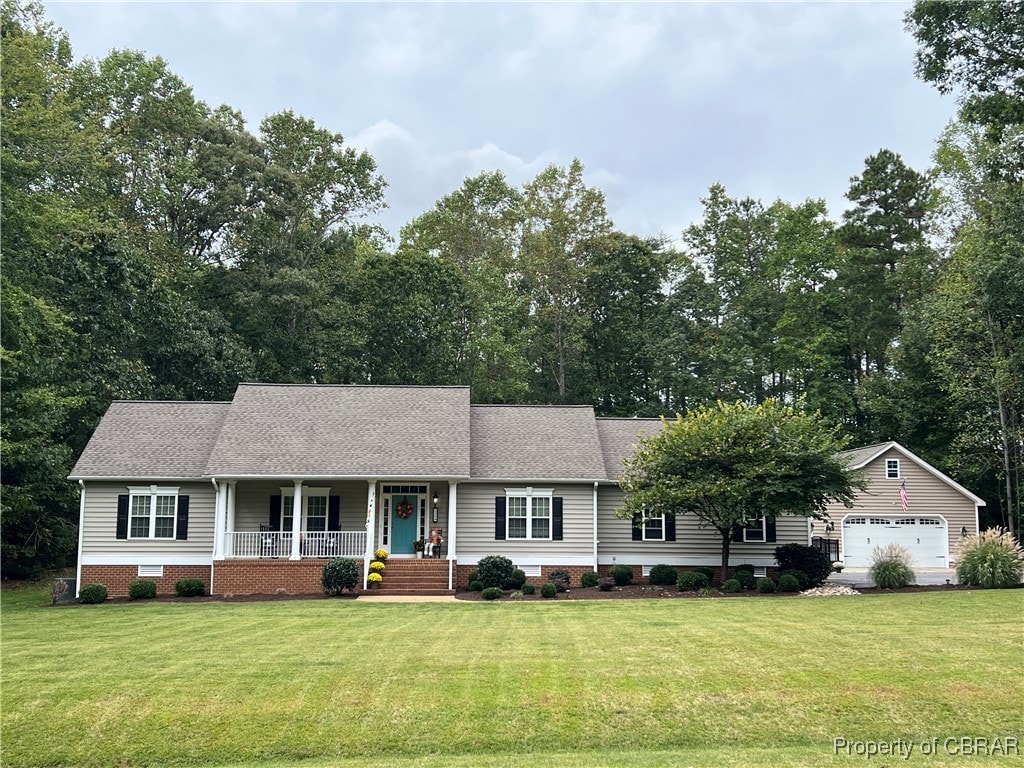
405 509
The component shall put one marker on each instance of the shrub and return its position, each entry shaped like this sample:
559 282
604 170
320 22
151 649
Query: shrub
743 567
621 574
663 574
560 579
528 588
92 593
800 576
189 587
605 584
890 567
474 575
495 570
338 574
814 563
788 583
142 589
765 585
476 586
589 579
548 590
745 578
732 585
993 560
491 593
517 580
691 581
707 571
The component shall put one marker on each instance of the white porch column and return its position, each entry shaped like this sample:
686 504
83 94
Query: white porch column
230 528
371 526
219 514
452 505
296 521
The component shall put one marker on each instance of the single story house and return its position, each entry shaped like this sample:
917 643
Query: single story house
907 502
253 495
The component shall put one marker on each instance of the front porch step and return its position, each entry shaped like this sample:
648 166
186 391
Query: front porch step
415 577
407 592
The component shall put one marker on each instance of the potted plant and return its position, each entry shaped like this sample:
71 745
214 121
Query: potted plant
418 547
374 580
837 566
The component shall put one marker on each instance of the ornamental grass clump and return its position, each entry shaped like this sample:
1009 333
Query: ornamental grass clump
992 560
890 567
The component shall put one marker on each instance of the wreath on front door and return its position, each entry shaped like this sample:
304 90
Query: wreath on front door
404 510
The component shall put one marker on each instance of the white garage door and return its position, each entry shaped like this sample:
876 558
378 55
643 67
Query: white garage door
924 537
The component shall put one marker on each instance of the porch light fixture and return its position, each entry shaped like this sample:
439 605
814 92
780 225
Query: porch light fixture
963 530
434 502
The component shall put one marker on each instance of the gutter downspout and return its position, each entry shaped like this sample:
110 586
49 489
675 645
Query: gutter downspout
213 556
595 526
81 535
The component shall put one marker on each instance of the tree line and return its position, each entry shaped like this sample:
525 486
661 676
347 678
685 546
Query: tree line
155 247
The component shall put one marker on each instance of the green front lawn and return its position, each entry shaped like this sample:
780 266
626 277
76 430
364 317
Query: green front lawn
630 683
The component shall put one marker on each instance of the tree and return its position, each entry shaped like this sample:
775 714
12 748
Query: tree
731 464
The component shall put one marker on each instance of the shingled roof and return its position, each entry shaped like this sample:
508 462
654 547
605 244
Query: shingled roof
619 438
314 430
146 439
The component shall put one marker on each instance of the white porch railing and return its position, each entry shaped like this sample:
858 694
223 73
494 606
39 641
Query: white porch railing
311 544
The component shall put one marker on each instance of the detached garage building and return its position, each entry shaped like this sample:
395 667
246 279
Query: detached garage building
907 502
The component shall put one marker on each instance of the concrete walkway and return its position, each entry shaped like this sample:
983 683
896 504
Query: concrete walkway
858 577
406 598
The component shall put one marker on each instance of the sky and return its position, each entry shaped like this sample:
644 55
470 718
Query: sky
658 100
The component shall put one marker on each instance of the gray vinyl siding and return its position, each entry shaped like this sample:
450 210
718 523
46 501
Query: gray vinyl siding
475 521
99 525
693 545
927 495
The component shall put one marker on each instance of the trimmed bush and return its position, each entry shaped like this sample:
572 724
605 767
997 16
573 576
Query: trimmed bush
621 574
338 574
495 570
732 585
476 586
890 567
788 583
605 584
491 593
142 589
745 578
992 560
548 590
663 574
765 585
92 593
189 587
560 576
815 564
589 579
711 573
743 567
691 581
517 580
799 575
474 575
528 588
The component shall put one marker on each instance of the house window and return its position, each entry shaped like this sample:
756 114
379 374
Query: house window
528 513
152 512
654 528
314 503
755 530
892 469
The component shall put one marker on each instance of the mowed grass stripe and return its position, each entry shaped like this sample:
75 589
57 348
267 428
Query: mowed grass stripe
224 683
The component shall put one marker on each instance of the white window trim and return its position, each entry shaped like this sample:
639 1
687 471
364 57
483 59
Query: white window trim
898 475
530 493
643 528
764 531
288 492
153 491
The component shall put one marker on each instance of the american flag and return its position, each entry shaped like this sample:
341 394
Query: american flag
903 497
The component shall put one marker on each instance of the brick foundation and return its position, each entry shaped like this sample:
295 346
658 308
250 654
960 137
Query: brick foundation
117 578
270 577
575 572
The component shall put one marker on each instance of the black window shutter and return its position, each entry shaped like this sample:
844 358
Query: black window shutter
556 518
499 518
334 513
638 533
182 533
670 527
275 513
769 529
737 533
122 516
